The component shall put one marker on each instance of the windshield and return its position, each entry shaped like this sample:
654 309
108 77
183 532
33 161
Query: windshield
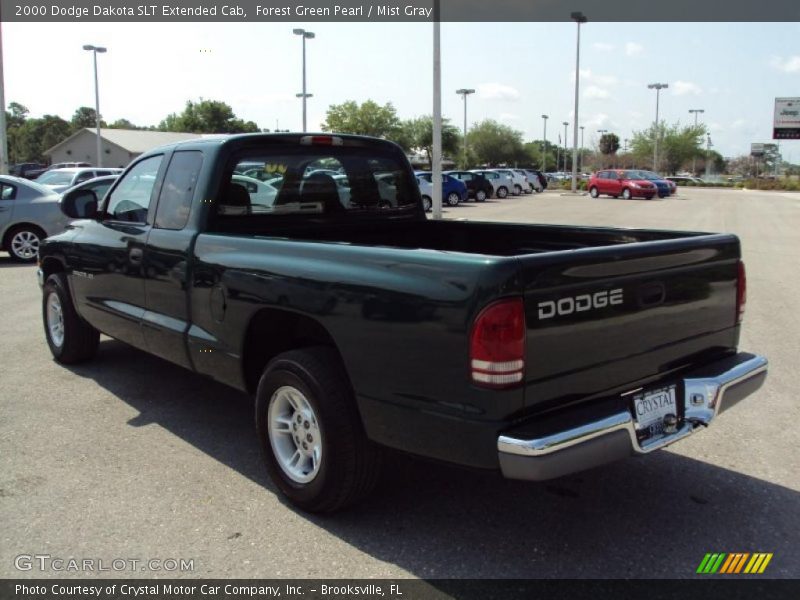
55 178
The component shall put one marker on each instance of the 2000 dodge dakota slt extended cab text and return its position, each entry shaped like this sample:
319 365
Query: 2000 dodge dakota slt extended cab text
302 269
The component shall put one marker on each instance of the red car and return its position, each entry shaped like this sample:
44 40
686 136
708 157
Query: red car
619 182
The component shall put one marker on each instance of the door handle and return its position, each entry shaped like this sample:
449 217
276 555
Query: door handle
135 256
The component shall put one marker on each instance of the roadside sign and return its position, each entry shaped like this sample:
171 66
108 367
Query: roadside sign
756 149
787 119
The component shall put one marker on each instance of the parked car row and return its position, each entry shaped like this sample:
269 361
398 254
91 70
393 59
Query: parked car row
630 183
32 170
480 184
30 210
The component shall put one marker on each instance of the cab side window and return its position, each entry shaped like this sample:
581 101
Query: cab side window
7 192
175 201
131 198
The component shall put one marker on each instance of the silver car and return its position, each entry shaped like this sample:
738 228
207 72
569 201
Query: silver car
60 180
29 212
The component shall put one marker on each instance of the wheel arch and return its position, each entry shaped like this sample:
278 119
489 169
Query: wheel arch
271 332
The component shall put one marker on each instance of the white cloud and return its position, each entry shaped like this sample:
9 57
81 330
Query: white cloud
509 117
682 88
596 92
603 46
498 91
587 75
738 123
596 120
633 49
788 65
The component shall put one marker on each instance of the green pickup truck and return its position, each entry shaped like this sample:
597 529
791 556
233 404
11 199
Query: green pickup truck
301 269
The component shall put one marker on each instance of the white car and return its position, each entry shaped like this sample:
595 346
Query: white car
262 193
519 179
502 184
426 189
60 180
533 180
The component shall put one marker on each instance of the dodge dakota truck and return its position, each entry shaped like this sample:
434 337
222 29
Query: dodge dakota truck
283 265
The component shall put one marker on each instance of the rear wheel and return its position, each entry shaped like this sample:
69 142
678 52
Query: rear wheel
594 192
502 192
517 189
453 199
23 242
626 193
480 196
427 203
70 338
310 432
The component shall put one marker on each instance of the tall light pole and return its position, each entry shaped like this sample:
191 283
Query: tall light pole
579 19
580 155
544 144
3 140
708 153
696 112
95 50
464 93
306 35
657 87
565 124
436 145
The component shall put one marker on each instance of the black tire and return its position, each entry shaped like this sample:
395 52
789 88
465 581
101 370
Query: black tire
350 463
480 196
22 243
453 199
502 192
626 193
427 203
79 341
594 192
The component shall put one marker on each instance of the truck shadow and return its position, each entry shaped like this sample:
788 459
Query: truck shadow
654 517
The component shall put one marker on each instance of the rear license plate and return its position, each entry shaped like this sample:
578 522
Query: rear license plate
650 407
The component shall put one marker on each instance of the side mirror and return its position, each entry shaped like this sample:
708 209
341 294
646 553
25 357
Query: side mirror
79 204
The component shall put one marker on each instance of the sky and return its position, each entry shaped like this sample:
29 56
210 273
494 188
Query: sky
733 71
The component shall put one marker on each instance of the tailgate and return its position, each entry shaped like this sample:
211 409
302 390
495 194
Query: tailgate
600 319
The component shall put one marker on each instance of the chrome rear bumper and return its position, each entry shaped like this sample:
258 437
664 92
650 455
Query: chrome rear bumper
707 392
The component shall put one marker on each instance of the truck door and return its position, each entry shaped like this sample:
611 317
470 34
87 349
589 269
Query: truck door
107 266
166 318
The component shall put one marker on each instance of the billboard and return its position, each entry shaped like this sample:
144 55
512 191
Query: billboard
756 149
787 119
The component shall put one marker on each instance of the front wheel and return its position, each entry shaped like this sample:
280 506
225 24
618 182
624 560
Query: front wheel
453 199
502 192
310 432
427 203
23 243
594 192
626 193
71 339
480 196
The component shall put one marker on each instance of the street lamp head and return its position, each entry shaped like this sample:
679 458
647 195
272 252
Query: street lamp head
657 86
578 17
95 48
309 35
88 47
465 91
302 95
565 123
545 117
299 31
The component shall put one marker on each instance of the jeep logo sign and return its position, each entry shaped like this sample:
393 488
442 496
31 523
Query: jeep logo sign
576 304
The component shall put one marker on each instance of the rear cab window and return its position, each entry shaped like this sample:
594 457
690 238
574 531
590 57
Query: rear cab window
313 181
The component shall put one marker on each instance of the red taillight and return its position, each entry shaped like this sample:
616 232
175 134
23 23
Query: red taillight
741 293
497 345
321 140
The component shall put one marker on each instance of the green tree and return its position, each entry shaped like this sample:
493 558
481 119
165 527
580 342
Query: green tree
34 136
16 115
534 151
369 118
676 145
609 144
123 124
494 143
207 116
417 134
84 117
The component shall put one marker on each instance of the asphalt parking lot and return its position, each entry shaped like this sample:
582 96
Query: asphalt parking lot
132 457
